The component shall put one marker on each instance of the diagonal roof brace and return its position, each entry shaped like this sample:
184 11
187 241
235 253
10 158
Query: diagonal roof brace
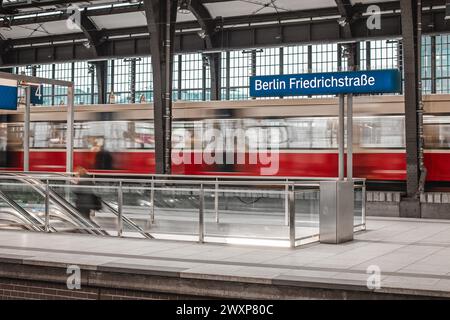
206 22
95 36
347 13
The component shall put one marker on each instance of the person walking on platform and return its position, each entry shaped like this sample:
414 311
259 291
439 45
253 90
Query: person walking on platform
103 159
85 198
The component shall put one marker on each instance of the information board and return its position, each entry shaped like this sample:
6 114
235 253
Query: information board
375 81
8 94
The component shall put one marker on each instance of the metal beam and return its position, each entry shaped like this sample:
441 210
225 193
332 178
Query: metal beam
410 207
52 15
27 4
101 72
346 11
161 17
210 35
95 36
129 42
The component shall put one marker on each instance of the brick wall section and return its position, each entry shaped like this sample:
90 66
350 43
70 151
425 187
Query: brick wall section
13 289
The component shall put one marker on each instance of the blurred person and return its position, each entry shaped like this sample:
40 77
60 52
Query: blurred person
85 198
103 159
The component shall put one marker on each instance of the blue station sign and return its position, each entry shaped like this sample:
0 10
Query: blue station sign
363 82
8 94
36 94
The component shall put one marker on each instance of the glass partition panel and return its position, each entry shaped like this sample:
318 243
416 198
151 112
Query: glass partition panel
238 214
307 206
359 219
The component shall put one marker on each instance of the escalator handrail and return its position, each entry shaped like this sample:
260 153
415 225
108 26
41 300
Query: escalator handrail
24 214
36 184
127 220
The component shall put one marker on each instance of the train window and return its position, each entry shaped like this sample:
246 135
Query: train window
50 135
437 132
381 132
3 136
312 133
15 135
266 133
114 135
183 137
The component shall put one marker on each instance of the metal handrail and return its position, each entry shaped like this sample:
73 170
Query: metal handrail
195 182
196 177
289 187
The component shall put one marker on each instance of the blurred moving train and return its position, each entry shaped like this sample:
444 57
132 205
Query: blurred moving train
306 130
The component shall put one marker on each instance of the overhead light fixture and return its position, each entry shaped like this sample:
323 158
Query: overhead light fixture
184 6
342 21
202 34
87 44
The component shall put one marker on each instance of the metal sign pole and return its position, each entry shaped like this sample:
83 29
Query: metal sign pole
26 130
341 136
70 130
350 137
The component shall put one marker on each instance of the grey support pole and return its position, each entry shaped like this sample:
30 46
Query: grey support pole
70 130
26 130
341 136
350 137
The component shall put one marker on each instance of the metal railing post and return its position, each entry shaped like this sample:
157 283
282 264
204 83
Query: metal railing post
201 226
152 201
216 201
70 129
26 130
120 210
286 205
350 137
341 138
47 208
292 217
363 201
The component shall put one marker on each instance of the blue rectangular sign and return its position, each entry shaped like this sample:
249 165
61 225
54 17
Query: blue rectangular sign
36 94
8 94
375 81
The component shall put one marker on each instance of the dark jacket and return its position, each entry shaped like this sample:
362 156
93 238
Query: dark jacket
103 160
86 199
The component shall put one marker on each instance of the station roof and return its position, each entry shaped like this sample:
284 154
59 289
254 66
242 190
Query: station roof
36 31
27 19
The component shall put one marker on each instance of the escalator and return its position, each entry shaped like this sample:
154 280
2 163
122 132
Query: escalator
66 210
60 208
16 215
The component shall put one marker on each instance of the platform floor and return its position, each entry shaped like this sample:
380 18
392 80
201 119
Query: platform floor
413 257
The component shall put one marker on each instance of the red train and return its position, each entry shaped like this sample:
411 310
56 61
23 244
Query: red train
302 131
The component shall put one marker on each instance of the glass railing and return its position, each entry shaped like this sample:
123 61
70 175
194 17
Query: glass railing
261 211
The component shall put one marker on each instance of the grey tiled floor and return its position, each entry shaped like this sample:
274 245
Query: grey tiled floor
411 254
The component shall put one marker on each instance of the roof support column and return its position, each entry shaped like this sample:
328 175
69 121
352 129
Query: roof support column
161 18
410 205
215 72
101 72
